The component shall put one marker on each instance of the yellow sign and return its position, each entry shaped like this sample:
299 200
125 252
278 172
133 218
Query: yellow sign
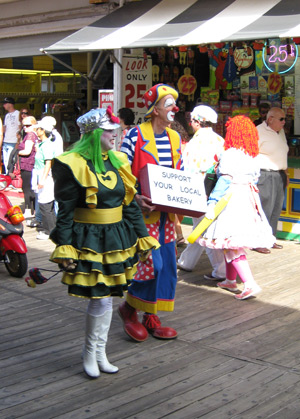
187 84
274 83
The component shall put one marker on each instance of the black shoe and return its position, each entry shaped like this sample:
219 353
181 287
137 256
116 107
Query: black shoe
277 246
33 223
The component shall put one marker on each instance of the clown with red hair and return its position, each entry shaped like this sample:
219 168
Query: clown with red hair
242 224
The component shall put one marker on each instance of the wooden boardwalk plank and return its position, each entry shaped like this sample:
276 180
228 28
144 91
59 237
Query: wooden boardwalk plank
232 359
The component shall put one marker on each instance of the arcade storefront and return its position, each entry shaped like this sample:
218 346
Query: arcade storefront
231 55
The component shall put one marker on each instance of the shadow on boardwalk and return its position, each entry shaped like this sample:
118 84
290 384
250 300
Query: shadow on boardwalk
232 359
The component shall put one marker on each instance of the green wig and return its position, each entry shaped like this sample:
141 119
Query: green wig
89 147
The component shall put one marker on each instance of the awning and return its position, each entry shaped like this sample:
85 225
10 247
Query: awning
27 40
150 23
27 45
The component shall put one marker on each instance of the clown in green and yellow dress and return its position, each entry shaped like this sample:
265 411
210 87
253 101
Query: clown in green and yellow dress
99 225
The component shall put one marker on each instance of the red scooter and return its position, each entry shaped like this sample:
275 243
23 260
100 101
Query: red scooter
12 246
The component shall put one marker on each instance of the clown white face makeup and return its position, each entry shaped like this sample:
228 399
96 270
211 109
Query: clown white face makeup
170 102
108 139
167 108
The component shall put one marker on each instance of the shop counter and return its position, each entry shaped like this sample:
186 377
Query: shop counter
289 221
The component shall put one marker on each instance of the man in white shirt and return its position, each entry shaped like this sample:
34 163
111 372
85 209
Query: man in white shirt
273 152
200 154
11 126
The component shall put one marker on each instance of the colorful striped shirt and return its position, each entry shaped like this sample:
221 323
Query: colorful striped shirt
162 144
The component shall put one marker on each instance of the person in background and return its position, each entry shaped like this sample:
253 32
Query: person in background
11 126
27 152
42 181
242 223
14 159
154 285
273 159
200 154
24 112
56 138
100 232
126 117
263 109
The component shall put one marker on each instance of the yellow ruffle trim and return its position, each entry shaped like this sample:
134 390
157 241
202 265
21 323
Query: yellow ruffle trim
107 258
159 305
67 251
94 278
84 176
145 244
64 252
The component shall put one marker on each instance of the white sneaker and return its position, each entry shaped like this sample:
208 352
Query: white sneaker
248 292
42 236
27 214
182 268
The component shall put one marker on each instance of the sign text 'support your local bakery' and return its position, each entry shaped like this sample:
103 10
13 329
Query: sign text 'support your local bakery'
173 190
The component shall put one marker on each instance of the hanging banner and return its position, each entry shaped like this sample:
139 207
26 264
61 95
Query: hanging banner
136 80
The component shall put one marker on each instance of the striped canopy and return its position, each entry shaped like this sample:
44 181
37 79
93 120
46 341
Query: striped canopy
150 23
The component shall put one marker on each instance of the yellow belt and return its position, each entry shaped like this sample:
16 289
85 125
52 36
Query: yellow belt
98 216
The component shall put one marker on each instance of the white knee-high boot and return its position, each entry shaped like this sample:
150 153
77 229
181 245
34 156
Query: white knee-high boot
104 364
90 365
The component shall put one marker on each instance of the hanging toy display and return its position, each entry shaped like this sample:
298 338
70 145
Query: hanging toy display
191 55
243 58
175 74
182 55
176 55
166 74
155 73
171 56
187 84
203 48
161 55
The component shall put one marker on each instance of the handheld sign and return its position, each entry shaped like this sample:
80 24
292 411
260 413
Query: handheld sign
174 191
206 222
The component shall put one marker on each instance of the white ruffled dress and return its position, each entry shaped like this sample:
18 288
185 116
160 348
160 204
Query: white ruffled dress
242 223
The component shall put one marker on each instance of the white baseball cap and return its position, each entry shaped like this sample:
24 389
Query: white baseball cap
203 113
45 125
49 120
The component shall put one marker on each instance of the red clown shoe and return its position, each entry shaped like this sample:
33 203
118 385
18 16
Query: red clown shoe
132 326
153 324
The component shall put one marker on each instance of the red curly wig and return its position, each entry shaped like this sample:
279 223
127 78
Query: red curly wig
242 134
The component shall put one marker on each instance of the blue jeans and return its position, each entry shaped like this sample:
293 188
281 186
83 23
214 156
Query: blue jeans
7 148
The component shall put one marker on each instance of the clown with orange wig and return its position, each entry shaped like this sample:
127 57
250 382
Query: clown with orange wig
242 224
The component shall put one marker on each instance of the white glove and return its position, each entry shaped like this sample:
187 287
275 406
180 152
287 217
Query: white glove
68 264
210 213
